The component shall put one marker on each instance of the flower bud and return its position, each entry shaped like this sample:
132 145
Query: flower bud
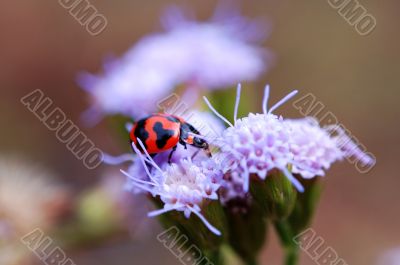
194 228
275 195
248 228
305 206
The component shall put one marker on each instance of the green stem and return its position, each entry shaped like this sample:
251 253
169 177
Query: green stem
214 256
286 236
291 255
251 262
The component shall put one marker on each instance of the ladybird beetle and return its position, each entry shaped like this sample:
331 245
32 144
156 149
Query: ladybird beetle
161 132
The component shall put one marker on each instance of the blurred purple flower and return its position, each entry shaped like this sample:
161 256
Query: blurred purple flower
22 184
30 198
132 88
197 55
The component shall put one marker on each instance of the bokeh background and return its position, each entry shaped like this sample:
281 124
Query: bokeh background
356 77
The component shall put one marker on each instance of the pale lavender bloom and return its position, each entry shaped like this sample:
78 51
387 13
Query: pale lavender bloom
216 60
132 88
137 169
198 55
313 148
259 143
181 187
219 53
255 144
349 148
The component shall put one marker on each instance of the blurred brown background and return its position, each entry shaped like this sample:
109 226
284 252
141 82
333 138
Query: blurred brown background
356 77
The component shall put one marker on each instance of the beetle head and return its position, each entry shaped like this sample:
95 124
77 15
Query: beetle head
199 143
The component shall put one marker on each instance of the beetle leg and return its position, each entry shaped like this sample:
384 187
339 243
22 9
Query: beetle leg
195 154
170 154
183 143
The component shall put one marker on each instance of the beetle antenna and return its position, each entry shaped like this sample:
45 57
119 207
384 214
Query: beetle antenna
198 135
195 154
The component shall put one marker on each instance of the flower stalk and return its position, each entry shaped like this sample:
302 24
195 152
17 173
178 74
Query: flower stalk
286 235
248 229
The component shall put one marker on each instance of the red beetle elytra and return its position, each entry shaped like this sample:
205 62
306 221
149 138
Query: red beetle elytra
161 132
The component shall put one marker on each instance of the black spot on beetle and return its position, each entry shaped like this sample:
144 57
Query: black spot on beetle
141 133
163 135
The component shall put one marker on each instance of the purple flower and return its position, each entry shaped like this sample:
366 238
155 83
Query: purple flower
190 179
182 186
259 143
218 53
313 149
196 55
255 144
132 88
138 170
349 148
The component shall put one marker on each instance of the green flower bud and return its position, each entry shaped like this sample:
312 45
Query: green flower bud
275 195
306 203
195 229
248 228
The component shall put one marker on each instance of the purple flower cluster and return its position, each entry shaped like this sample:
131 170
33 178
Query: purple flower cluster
196 55
254 145
259 143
